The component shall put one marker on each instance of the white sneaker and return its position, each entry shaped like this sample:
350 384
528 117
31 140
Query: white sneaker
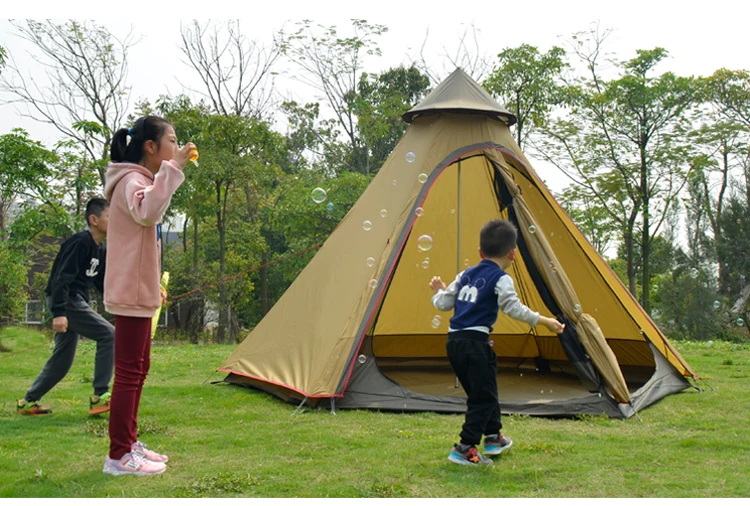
132 463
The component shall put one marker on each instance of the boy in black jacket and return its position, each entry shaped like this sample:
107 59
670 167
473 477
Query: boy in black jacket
79 264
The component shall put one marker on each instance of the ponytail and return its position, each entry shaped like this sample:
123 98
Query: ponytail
145 128
119 145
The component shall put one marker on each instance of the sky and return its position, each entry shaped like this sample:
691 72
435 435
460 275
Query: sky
700 38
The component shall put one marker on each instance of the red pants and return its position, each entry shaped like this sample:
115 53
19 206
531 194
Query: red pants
132 361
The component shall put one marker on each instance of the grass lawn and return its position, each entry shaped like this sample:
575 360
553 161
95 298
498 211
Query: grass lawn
227 441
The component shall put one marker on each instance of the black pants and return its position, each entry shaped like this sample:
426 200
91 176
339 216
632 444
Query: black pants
475 363
84 321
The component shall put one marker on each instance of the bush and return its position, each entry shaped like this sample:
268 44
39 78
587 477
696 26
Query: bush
13 279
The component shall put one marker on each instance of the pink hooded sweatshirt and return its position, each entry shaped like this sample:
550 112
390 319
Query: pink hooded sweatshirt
137 202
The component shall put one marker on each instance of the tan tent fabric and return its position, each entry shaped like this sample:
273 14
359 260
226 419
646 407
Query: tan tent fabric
460 93
308 344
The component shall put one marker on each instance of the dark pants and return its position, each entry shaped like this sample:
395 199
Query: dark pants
132 362
84 321
475 364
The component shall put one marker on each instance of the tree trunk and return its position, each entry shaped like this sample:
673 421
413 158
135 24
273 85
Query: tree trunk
184 235
645 233
264 285
223 301
628 238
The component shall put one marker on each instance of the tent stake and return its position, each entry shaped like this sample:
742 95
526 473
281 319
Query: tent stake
709 386
299 407
635 411
210 376
333 406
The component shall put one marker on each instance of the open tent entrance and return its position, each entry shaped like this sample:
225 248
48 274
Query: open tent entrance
407 339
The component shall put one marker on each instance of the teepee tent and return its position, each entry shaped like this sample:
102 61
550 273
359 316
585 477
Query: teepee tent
353 335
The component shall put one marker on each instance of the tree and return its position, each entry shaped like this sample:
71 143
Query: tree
591 217
239 160
26 188
307 133
13 279
331 65
736 250
722 148
623 142
729 91
86 69
527 84
466 56
236 72
381 101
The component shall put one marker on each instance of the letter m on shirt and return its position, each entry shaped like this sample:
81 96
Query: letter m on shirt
468 294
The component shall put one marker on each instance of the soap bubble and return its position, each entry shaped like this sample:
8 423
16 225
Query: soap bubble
453 211
693 273
492 343
410 157
577 308
373 283
740 322
330 206
522 375
425 263
466 262
394 182
424 243
436 320
717 304
419 211
532 229
319 195
383 213
551 234
422 177
370 262
541 391
293 157
367 225
361 359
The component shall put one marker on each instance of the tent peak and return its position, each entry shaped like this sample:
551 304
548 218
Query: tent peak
459 93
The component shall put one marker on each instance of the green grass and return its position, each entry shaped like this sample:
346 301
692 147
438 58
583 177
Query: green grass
226 441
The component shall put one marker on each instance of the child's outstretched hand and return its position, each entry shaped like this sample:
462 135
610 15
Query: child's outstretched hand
552 324
437 284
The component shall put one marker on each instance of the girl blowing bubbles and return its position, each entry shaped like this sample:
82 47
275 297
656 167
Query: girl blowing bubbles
144 173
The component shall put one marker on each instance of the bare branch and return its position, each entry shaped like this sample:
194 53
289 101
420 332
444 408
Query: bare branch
236 72
86 70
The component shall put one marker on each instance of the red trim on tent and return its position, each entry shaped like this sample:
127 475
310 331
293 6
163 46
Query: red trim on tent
280 385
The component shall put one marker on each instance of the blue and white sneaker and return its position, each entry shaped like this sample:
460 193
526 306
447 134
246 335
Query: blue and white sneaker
496 444
465 455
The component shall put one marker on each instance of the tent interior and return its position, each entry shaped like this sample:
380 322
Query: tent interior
408 342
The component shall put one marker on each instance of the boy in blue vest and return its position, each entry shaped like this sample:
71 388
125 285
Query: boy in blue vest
476 296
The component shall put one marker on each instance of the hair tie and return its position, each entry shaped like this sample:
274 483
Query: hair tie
130 132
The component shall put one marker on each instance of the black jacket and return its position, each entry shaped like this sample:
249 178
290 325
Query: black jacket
79 264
